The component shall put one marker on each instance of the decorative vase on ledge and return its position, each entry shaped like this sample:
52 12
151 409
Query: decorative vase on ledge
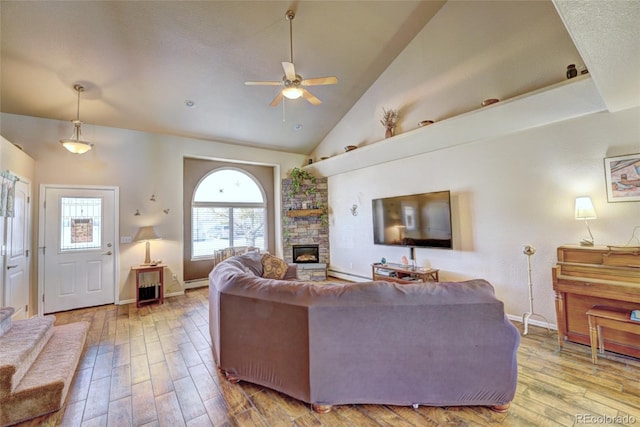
389 132
389 120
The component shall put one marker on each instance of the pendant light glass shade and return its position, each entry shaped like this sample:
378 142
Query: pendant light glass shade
76 144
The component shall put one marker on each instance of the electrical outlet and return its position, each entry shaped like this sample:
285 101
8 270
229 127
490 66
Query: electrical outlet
126 239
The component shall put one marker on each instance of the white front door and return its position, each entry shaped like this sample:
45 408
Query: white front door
17 244
80 247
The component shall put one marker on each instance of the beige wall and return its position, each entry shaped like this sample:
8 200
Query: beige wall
140 164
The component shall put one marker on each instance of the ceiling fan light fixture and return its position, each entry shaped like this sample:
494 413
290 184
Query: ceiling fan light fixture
292 92
292 82
76 144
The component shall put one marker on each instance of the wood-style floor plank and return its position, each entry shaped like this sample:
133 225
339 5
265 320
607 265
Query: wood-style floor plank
153 366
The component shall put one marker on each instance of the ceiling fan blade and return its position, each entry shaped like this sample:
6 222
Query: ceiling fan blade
277 99
315 81
289 70
310 97
265 83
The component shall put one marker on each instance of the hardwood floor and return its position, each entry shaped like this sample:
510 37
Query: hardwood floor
153 366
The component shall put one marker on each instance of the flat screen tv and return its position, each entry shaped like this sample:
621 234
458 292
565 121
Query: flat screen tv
416 220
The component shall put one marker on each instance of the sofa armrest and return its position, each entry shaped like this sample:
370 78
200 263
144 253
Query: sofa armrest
292 272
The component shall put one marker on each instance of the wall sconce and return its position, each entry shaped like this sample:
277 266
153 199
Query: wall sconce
585 211
354 210
145 234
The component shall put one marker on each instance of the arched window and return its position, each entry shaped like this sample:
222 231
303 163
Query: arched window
228 209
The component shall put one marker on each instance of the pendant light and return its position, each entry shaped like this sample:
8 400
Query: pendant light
76 144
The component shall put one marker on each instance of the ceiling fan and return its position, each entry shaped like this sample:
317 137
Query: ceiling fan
291 82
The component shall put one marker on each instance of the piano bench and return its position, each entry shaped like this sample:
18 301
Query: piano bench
609 317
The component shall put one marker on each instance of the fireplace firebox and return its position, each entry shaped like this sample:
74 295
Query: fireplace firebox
306 254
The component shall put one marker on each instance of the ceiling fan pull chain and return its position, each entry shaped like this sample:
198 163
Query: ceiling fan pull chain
284 118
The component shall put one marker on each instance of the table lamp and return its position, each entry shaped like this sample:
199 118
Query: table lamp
146 234
585 211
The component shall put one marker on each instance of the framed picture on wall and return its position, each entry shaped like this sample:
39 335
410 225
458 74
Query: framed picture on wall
622 175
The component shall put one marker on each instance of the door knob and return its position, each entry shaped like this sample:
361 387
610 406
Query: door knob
109 253
9 267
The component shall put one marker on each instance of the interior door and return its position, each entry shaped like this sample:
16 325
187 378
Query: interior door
16 250
79 250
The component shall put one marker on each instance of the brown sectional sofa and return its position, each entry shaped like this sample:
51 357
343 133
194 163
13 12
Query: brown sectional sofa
434 344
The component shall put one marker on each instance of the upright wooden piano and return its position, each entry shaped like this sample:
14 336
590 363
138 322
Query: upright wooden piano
589 275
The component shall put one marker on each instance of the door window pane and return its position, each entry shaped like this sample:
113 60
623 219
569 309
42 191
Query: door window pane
80 223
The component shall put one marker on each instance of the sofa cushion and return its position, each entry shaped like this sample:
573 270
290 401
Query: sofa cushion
252 262
273 267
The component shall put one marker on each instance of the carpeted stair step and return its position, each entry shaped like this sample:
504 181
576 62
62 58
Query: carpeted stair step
5 319
44 388
20 346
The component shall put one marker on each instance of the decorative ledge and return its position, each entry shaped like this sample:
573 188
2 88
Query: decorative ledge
304 212
563 101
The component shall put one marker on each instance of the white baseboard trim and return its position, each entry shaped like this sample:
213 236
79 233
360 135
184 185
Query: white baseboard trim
196 283
533 321
347 276
174 294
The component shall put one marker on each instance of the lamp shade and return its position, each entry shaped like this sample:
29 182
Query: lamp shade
146 233
76 144
584 208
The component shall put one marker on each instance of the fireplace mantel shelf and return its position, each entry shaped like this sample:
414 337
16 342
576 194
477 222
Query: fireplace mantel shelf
304 212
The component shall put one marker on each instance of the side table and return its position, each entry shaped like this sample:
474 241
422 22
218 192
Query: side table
149 283
403 274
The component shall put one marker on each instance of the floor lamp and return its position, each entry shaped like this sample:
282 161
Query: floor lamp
529 250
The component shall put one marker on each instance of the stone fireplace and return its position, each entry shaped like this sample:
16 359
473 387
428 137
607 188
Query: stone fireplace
305 229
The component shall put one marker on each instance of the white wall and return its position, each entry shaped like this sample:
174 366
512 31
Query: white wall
495 49
506 192
141 164
16 161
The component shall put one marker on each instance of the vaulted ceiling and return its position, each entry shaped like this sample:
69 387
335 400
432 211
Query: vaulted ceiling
141 61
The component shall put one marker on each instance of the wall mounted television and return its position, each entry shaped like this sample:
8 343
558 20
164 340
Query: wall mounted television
416 220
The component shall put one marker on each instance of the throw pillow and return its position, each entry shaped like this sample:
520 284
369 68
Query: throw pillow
273 267
253 261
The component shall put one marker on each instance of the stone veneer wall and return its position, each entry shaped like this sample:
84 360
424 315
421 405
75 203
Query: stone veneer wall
305 230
